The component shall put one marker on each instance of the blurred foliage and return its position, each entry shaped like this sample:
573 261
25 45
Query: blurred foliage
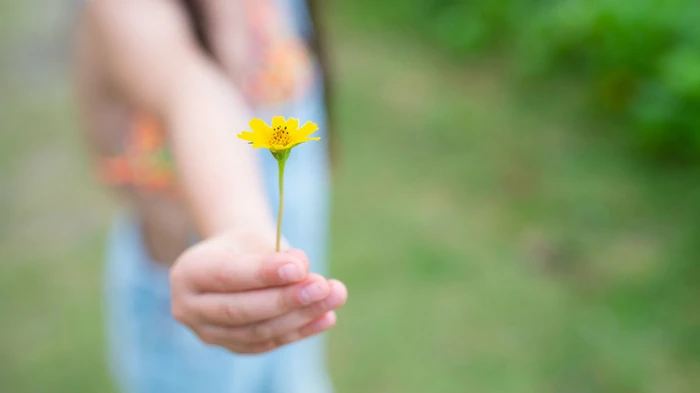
639 59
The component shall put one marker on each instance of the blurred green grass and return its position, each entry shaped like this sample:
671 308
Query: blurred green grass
494 242
491 242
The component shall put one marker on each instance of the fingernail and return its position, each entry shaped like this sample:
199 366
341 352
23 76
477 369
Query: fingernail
312 293
290 272
328 321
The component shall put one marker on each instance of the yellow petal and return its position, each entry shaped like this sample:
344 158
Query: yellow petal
302 140
278 121
248 136
259 126
306 130
292 125
261 145
256 139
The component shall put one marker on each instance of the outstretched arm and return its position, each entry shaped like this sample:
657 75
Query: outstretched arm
151 57
227 289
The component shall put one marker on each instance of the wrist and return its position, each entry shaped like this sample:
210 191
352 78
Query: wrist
249 215
255 237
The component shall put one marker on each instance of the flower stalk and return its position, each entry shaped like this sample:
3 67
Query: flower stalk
279 140
281 161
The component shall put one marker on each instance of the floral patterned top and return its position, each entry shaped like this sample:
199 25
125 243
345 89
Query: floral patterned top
280 68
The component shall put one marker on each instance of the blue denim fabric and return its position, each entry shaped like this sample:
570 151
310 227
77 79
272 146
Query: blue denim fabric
152 353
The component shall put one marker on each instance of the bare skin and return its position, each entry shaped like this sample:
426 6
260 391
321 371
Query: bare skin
230 289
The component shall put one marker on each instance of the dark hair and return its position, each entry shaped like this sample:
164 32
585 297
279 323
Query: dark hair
198 23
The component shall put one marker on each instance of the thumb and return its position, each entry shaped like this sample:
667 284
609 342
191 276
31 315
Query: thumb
218 265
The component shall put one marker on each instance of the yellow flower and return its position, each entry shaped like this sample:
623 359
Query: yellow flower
283 135
280 138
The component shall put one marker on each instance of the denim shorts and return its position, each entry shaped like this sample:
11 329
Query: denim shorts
152 353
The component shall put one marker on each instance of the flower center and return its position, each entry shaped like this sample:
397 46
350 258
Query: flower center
280 137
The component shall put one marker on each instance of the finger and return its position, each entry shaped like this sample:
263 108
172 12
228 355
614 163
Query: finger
286 323
254 306
299 254
319 325
294 320
216 267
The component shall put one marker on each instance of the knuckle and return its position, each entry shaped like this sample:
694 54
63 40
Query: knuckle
265 347
266 275
316 309
235 313
207 337
285 339
261 332
180 311
286 300
221 276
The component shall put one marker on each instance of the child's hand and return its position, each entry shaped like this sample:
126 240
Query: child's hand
248 301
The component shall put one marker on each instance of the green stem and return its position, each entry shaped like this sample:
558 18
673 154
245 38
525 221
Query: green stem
280 164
